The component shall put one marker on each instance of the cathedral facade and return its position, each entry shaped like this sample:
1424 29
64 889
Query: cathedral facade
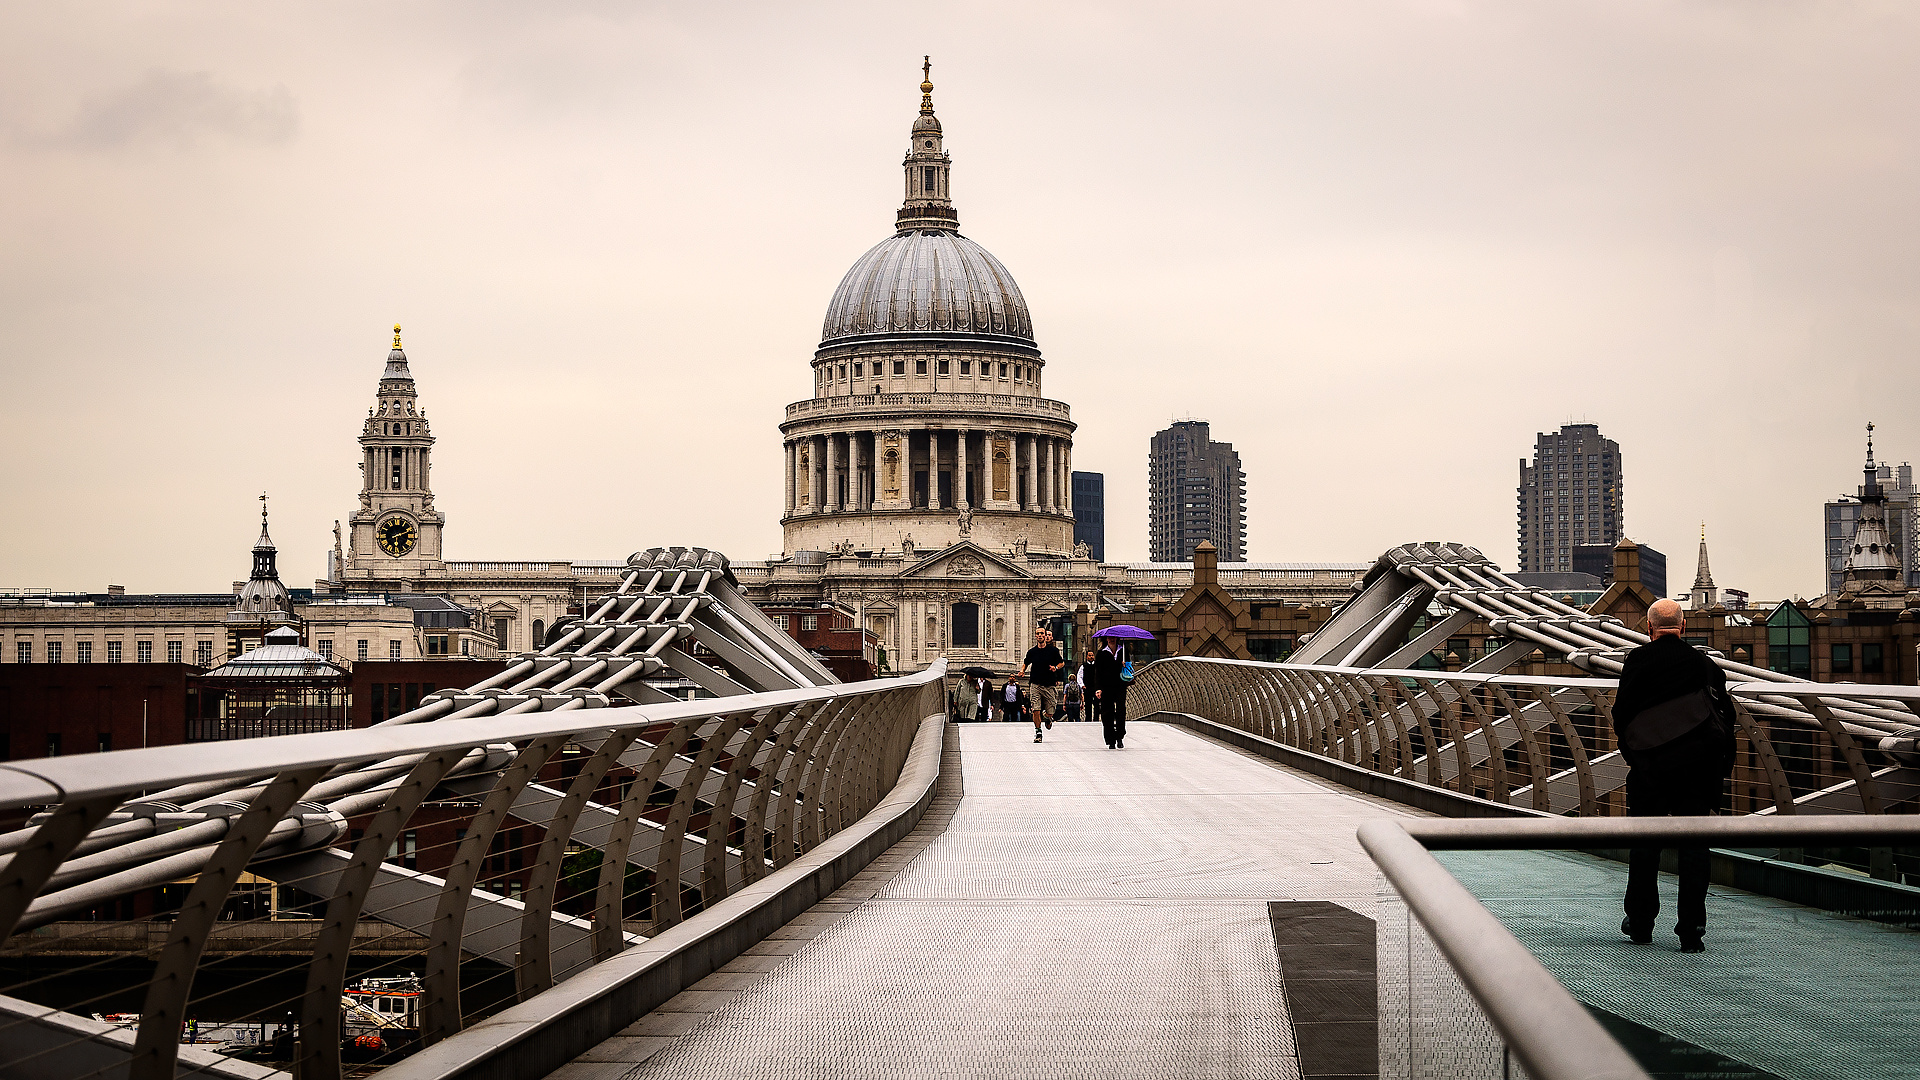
928 477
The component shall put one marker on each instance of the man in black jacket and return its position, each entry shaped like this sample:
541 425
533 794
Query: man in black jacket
1674 724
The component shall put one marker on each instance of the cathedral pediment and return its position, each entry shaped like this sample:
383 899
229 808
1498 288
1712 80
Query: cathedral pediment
966 560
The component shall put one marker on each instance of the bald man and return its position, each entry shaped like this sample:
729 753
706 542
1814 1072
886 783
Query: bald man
1675 727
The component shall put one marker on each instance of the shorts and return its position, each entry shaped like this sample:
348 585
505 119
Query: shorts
1046 700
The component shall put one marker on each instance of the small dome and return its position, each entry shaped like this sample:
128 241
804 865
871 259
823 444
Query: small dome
927 281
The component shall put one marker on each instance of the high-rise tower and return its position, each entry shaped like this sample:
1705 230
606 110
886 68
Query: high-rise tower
1572 493
1196 491
396 531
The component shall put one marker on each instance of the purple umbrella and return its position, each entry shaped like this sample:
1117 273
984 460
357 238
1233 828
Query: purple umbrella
1130 633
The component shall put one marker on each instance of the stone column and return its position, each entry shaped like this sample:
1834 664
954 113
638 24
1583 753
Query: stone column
833 474
817 475
1014 482
1067 447
960 472
788 448
933 468
856 480
1028 497
1051 497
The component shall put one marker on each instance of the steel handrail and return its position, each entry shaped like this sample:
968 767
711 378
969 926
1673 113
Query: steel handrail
1554 1036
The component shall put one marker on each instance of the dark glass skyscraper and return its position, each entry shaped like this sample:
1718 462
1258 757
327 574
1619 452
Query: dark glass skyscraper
1196 491
1090 513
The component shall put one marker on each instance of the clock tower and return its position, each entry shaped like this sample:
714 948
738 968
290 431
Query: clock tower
396 531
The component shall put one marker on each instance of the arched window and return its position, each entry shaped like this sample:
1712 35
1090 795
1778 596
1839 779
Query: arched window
966 625
539 633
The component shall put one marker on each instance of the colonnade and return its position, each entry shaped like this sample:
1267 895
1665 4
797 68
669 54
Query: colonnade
378 472
902 468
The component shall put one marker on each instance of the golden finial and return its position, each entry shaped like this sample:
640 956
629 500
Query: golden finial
926 86
396 335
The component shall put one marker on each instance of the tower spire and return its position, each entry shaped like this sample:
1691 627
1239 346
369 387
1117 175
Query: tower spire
928 202
1705 595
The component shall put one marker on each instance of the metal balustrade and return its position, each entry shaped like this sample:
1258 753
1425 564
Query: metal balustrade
572 747
1547 743
1352 692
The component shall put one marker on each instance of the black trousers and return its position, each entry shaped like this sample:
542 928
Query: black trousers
1682 792
1113 716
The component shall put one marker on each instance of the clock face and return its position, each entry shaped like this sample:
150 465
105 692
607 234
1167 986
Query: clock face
396 535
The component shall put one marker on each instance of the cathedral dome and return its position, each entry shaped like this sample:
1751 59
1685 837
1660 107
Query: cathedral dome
927 281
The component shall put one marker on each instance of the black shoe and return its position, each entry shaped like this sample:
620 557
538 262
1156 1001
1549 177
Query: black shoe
1120 744
1692 945
1109 746
1639 937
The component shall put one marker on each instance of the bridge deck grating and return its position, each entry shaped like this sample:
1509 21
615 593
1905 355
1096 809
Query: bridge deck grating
1085 913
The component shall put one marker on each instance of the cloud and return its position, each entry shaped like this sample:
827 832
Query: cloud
180 109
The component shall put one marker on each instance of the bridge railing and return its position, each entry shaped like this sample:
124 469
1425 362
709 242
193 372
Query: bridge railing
229 893
1547 743
1532 1014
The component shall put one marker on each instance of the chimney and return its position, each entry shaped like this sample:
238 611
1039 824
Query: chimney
116 590
1626 562
1206 563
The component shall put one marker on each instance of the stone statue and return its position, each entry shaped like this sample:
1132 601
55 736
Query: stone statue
906 545
966 521
1020 545
1081 550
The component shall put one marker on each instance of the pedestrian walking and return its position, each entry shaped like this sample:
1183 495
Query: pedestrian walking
1085 676
1675 726
1070 697
1043 668
1110 693
1013 703
967 703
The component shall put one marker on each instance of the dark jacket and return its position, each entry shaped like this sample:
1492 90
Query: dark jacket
1662 671
1106 674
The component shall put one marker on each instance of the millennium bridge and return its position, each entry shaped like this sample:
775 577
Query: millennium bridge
1347 864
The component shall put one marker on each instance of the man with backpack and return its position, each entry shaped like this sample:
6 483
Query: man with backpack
1110 679
1675 725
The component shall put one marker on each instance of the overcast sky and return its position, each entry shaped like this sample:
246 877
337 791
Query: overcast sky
1379 245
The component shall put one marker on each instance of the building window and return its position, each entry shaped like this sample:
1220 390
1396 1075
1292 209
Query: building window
23 652
943 367
856 370
104 741
1843 659
843 372
1003 371
1789 648
809 622
83 652
143 652
53 652
362 655
175 650
919 367
780 621
53 744
966 367
966 625
396 469
113 652
928 178
436 644
325 647
405 851
899 367
1872 658
500 632
203 654
539 632
393 650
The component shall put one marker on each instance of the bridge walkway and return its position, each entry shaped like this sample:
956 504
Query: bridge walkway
1083 912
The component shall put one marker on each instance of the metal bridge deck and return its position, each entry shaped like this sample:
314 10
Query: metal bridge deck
1086 913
